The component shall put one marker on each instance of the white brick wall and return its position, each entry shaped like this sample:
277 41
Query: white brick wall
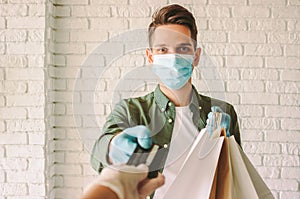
252 44
22 126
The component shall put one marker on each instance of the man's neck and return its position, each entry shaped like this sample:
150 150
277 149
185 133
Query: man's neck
180 97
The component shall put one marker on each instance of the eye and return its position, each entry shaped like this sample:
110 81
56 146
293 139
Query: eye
184 49
161 50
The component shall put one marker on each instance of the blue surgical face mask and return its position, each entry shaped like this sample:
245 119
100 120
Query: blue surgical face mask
174 70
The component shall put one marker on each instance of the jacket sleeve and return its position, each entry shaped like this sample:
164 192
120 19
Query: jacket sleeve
116 122
234 125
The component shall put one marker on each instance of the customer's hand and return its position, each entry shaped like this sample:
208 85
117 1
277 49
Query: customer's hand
126 182
213 122
123 145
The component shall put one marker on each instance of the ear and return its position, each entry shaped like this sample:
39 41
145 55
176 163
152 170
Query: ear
197 57
149 55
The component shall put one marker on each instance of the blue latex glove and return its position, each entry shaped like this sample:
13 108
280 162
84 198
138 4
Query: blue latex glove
211 123
123 145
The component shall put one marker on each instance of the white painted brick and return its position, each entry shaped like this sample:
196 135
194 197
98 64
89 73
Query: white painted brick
27 1
36 10
283 62
16 164
59 109
282 184
36 87
140 23
103 23
37 189
266 24
2 101
263 49
193 2
223 49
71 48
24 151
2 128
35 164
283 136
268 172
70 23
259 123
36 35
2 23
282 111
36 139
244 62
36 112
227 24
25 100
88 170
249 110
25 48
267 2
61 36
228 2
2 48
289 99
10 87
245 86
68 145
247 37
2 152
261 148
25 177
293 2
290 124
290 173
13 35
63 11
290 75
108 2
73 181
291 50
25 22
281 160
91 11
291 148
293 25
2 176
67 169
13 10
212 36
90 35
71 2
9 189
283 37
262 98
282 87
24 74
131 11
290 195
250 12
77 158
259 74
13 61
286 12
25 125
13 138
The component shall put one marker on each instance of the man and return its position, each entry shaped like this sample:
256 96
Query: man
173 114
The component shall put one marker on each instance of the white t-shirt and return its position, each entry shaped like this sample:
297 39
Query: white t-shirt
183 136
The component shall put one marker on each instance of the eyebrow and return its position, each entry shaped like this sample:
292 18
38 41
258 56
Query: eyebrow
181 44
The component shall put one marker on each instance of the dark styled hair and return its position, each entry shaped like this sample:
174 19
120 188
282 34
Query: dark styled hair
173 14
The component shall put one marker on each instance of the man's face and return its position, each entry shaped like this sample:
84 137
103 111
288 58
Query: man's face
172 39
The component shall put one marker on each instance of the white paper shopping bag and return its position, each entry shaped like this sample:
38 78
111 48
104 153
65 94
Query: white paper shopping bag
247 182
197 173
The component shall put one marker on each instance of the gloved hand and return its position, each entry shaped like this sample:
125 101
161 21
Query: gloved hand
212 123
123 145
126 181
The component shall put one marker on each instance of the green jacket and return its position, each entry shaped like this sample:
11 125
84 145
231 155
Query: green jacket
157 112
